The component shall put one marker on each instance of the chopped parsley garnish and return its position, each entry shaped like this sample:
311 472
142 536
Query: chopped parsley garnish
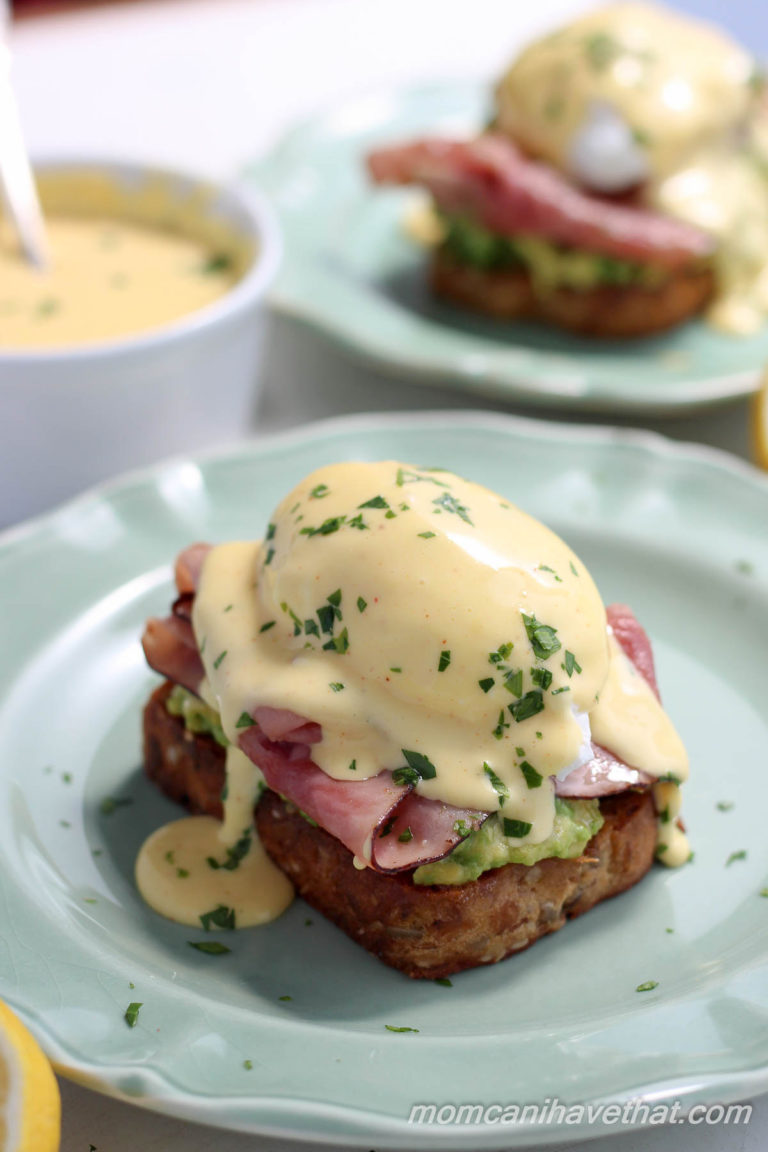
318 492
335 600
405 836
217 262
420 767
336 686
764 893
513 682
387 828
559 691
375 502
445 659
266 627
111 803
501 654
462 828
353 766
394 1028
271 529
529 705
407 476
516 828
339 643
542 637
498 731
497 784
395 669
602 50
724 805
311 628
532 778
66 777
245 721
326 614
487 684
132 1014
332 524
451 504
542 677
229 607
648 986
182 874
234 855
285 997
248 1065
210 947
734 856
269 557
571 664
668 778
361 604
427 535
573 568
218 661
444 982
546 568
220 917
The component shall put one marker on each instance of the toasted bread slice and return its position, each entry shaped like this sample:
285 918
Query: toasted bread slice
424 931
613 311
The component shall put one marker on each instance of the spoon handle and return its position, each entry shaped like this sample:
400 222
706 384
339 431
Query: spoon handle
17 183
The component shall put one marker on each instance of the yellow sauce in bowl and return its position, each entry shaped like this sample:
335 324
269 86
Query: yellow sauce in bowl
125 259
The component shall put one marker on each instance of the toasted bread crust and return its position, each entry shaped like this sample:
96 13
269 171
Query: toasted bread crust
423 931
612 311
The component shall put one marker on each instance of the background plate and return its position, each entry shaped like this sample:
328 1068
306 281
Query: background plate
351 272
677 532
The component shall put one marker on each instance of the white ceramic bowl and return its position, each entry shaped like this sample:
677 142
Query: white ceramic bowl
72 416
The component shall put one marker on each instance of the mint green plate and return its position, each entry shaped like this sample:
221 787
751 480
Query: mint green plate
351 272
677 532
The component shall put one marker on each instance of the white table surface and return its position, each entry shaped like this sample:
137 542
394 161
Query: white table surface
208 85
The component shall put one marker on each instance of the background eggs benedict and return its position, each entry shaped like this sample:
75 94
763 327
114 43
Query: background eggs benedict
620 187
429 685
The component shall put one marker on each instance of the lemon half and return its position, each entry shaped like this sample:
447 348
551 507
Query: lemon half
759 425
30 1105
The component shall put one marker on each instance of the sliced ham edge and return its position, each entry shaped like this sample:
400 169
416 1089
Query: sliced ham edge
490 181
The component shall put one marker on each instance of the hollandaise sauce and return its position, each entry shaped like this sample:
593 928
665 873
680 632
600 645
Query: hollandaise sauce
431 628
107 279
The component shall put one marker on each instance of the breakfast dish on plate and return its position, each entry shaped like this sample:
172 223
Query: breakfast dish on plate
451 744
619 189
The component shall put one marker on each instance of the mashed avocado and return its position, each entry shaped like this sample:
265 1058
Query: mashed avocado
576 822
197 716
548 265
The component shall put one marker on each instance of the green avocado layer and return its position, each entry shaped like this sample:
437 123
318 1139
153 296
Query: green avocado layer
576 822
197 716
549 265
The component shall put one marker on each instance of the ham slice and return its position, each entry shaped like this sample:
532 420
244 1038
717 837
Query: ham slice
429 831
188 567
367 816
170 649
601 776
634 641
490 181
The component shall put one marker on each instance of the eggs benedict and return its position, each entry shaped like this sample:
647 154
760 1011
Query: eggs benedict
620 188
422 685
